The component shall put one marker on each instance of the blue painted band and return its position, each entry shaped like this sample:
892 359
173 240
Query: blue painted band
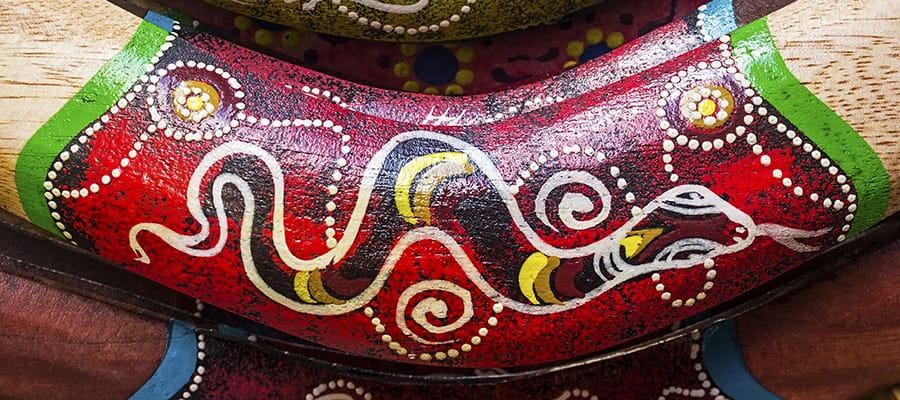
725 364
177 366
159 20
718 18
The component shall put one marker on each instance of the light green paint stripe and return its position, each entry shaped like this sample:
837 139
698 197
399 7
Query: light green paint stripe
110 83
759 60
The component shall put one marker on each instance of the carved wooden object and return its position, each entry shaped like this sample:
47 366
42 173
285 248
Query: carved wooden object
520 227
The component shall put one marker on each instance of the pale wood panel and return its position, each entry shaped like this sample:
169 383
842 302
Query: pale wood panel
49 52
847 53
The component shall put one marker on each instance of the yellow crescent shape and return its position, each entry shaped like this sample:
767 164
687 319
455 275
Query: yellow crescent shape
318 292
529 272
430 181
635 241
301 287
407 176
542 282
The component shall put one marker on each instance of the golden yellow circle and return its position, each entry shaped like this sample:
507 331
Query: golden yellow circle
465 54
706 107
411 86
263 37
242 22
195 103
431 90
291 39
401 69
453 89
408 49
465 77
191 104
575 48
594 35
615 39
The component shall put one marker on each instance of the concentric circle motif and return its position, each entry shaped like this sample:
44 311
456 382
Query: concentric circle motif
707 106
195 101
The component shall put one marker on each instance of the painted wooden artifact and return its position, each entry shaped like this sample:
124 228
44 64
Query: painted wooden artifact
467 67
97 348
422 21
529 226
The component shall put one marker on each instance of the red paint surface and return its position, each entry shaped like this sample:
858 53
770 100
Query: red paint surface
618 119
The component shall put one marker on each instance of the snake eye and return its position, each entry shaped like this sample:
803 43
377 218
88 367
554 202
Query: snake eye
707 106
194 100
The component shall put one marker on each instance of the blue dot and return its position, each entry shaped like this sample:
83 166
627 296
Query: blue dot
436 65
592 52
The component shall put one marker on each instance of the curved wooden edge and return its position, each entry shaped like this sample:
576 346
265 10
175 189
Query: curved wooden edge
843 52
85 345
49 53
846 54
838 335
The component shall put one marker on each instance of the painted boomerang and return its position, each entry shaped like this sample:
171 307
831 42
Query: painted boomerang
515 228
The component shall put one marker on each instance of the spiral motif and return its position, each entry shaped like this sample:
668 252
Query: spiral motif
573 202
433 306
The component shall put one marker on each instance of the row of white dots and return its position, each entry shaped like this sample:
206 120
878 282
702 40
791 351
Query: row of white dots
824 162
701 24
322 93
197 376
534 166
400 30
52 193
708 264
336 385
753 109
398 348
707 389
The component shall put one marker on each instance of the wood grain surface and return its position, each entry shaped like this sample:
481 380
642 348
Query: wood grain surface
49 53
846 53
58 345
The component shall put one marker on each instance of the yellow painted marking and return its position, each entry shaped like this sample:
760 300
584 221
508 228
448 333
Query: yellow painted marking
317 289
707 107
407 176
430 180
635 241
301 287
542 283
195 103
529 273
